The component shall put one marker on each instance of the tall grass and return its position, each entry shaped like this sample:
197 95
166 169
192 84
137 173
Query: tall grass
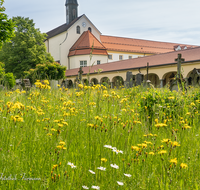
155 133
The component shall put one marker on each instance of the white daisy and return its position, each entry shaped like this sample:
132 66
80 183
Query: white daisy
91 172
128 175
71 164
108 146
117 151
101 168
120 183
95 187
85 187
114 166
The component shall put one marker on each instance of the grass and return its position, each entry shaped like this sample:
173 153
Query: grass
155 133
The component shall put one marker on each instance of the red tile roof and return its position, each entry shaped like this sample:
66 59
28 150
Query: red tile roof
86 43
140 46
189 55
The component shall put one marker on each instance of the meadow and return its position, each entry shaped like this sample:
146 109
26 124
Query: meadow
99 138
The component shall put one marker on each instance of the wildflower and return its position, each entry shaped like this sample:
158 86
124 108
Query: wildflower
166 141
71 164
91 172
108 146
183 165
49 134
174 161
95 187
101 168
151 153
85 187
128 175
103 159
120 183
175 144
114 166
117 151
162 152
62 143
135 148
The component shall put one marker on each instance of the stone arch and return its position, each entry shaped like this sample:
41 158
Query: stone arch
154 78
105 80
117 81
94 81
167 77
85 82
193 78
70 84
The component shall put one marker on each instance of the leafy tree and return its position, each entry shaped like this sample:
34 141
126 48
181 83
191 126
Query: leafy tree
6 26
26 49
50 71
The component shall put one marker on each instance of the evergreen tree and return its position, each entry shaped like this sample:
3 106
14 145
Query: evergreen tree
6 26
26 49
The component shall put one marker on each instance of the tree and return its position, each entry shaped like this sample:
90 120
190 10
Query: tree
50 71
6 26
26 49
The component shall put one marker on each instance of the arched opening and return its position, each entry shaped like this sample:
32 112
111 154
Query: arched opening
78 30
153 78
117 82
94 81
168 77
70 84
193 77
85 82
105 81
90 29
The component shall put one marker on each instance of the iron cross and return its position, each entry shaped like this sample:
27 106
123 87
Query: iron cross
179 60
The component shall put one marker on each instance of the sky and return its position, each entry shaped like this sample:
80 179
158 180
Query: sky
176 21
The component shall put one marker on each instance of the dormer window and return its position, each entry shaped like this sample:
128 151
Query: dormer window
78 30
90 29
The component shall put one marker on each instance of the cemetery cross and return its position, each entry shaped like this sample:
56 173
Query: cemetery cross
179 60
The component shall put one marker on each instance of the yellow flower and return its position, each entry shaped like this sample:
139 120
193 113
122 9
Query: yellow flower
62 143
151 153
175 144
103 159
174 161
183 165
162 152
135 148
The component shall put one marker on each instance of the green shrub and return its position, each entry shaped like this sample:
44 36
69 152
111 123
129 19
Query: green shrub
9 80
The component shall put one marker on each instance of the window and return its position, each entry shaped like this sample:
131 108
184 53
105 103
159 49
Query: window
120 57
78 30
98 62
130 57
90 29
83 63
109 56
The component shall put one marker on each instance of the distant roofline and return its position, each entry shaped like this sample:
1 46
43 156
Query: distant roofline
148 40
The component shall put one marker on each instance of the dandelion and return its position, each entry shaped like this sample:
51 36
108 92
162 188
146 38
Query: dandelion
184 166
101 168
114 166
91 172
162 152
128 175
71 164
120 183
174 161
85 187
135 148
103 159
151 153
95 187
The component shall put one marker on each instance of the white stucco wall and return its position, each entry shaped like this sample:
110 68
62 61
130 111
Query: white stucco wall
59 48
115 55
75 60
